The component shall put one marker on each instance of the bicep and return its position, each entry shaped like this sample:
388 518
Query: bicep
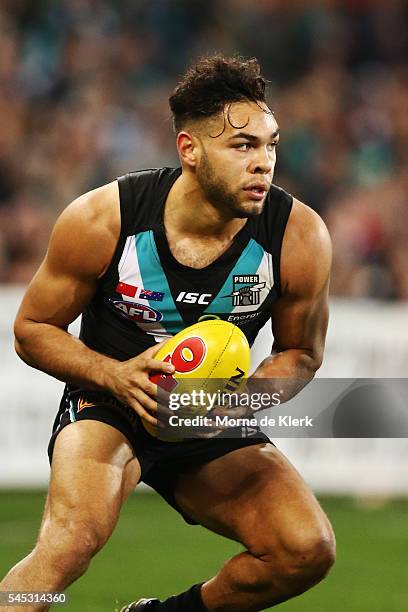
300 315
300 322
81 246
55 296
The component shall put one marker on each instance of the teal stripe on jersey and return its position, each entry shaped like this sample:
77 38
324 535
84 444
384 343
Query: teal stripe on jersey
72 416
154 279
247 264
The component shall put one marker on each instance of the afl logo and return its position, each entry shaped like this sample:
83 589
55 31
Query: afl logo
137 312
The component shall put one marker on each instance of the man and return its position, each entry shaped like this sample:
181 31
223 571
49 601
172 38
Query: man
123 255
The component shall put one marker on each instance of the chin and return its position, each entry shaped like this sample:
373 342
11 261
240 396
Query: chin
251 209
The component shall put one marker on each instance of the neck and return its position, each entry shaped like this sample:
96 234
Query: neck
188 211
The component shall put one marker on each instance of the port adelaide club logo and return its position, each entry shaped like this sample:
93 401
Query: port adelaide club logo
246 290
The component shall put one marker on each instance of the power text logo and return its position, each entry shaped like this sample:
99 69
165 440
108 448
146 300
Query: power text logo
246 290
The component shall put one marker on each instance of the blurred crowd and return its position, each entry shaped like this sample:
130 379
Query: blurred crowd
83 98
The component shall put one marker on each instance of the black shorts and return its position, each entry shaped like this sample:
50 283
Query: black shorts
161 462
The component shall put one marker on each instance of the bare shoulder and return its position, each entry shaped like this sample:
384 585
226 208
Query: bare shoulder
306 251
85 235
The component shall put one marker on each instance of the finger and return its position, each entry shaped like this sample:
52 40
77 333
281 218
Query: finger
214 425
146 401
149 388
149 419
229 411
138 408
156 392
205 432
209 429
219 411
152 350
211 434
163 397
163 413
164 367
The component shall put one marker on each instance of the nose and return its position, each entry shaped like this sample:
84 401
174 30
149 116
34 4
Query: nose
263 161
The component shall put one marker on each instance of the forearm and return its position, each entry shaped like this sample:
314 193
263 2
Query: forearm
285 373
56 352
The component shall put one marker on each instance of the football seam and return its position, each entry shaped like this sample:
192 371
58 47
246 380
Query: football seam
221 354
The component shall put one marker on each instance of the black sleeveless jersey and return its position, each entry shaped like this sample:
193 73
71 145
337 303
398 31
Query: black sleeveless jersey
146 295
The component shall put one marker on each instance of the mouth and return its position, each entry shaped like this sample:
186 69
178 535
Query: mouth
256 191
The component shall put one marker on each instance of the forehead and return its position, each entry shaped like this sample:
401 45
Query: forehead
256 119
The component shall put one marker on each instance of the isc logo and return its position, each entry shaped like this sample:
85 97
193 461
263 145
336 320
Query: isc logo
194 298
186 357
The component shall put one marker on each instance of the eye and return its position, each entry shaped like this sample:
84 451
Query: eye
244 146
272 145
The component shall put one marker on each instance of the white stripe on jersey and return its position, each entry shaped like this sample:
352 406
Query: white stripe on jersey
129 273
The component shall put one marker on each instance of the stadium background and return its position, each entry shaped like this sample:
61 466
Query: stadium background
83 98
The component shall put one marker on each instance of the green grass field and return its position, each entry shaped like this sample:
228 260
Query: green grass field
154 553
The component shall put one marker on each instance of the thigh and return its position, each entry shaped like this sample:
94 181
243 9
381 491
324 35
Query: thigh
93 470
252 495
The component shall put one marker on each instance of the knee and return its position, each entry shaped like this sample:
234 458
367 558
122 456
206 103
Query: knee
70 544
307 557
297 562
312 556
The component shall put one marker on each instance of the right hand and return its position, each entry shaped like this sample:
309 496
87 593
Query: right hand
130 382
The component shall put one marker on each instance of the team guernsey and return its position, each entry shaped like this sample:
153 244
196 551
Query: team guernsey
146 295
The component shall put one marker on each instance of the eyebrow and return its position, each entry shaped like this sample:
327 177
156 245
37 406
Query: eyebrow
251 137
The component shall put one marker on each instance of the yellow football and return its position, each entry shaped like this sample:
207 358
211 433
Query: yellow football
212 356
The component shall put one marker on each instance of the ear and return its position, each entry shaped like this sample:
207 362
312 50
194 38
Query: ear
187 147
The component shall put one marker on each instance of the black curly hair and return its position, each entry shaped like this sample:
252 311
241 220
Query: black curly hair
214 82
